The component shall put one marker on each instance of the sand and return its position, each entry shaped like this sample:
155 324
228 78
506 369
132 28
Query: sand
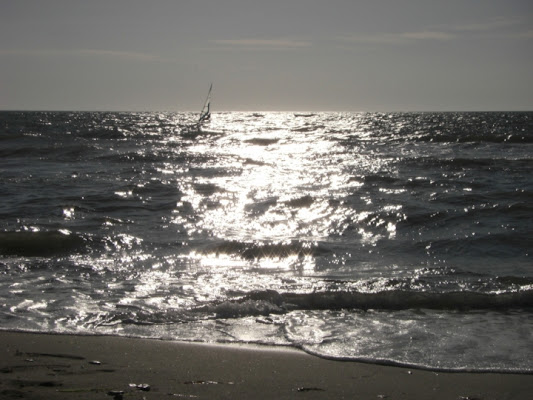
41 366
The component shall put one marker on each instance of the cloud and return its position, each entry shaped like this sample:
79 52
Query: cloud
399 38
509 28
487 26
262 44
131 55
116 54
427 35
512 28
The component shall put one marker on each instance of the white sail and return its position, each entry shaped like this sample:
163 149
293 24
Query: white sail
205 114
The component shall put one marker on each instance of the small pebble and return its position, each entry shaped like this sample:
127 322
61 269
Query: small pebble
141 386
309 389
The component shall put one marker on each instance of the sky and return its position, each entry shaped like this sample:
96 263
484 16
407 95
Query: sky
275 55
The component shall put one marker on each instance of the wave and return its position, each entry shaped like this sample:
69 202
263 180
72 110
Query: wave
498 245
207 189
272 302
47 151
480 209
262 141
377 179
474 137
462 163
465 127
40 244
309 128
258 250
300 202
133 158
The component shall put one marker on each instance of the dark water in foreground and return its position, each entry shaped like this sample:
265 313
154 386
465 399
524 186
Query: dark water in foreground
400 238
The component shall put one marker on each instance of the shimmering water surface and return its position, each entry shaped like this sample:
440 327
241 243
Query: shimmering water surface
399 238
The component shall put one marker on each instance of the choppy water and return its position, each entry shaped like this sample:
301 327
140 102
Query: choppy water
399 238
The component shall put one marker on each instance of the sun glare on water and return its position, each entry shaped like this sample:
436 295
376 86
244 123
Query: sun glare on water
279 193
286 184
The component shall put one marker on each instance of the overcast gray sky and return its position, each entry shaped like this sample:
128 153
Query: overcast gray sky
346 55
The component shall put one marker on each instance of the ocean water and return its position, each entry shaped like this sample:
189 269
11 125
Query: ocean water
399 238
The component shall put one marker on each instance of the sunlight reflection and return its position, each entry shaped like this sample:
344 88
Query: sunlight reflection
272 178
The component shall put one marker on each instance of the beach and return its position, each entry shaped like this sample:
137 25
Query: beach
47 366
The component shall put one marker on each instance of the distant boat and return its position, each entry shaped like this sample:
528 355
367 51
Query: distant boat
205 115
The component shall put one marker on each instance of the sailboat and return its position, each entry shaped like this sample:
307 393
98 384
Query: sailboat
205 115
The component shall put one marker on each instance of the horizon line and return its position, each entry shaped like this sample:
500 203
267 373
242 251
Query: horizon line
268 111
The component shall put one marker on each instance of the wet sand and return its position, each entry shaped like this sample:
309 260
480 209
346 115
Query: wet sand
41 366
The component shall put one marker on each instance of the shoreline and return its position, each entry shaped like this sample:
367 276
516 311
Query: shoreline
56 366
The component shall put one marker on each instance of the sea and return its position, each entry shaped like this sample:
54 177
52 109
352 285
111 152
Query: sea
391 238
